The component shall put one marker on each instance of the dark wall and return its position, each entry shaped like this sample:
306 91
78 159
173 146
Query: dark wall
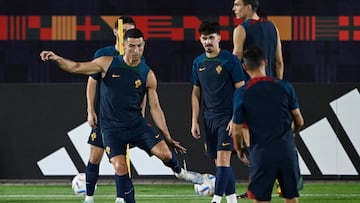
311 62
36 120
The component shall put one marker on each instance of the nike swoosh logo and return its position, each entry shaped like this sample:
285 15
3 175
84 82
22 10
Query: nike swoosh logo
126 193
225 144
202 69
115 76
157 136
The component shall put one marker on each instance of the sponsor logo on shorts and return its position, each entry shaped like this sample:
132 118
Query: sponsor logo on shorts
115 76
157 136
224 144
202 69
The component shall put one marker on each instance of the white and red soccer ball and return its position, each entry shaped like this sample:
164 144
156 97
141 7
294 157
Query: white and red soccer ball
207 188
78 184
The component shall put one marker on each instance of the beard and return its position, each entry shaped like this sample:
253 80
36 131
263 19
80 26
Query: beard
134 59
209 49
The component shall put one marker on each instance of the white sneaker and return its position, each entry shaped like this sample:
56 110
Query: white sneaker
119 200
89 199
190 176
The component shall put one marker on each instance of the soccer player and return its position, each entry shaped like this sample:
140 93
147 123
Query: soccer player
271 111
260 32
93 105
216 74
125 80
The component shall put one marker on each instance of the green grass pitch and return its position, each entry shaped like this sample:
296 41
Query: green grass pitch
334 192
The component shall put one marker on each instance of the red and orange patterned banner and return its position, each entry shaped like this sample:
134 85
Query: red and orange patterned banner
177 28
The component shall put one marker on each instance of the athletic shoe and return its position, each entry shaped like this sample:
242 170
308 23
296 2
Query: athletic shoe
190 176
242 196
89 199
119 200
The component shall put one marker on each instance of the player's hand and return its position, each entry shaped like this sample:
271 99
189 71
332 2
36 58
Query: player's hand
229 128
241 154
176 145
92 120
48 55
195 130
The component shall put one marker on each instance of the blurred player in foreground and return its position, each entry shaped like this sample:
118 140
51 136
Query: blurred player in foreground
125 80
93 108
271 111
259 31
216 74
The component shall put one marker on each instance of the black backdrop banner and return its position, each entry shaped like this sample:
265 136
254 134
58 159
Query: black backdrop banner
44 132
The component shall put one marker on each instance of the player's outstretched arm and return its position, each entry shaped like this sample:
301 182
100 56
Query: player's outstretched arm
86 68
158 114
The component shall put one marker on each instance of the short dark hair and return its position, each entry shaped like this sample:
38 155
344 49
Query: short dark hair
207 28
254 4
253 57
133 33
126 20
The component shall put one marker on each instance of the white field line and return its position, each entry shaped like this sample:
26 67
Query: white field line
164 195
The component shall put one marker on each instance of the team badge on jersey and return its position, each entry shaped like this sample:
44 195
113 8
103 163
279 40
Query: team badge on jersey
93 136
218 69
138 83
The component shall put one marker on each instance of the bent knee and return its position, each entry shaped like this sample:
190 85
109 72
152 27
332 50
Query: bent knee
119 164
162 151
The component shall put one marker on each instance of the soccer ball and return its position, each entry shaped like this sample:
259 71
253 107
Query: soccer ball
207 188
79 184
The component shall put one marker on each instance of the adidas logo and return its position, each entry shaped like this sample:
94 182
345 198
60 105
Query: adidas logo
329 146
59 162
326 148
